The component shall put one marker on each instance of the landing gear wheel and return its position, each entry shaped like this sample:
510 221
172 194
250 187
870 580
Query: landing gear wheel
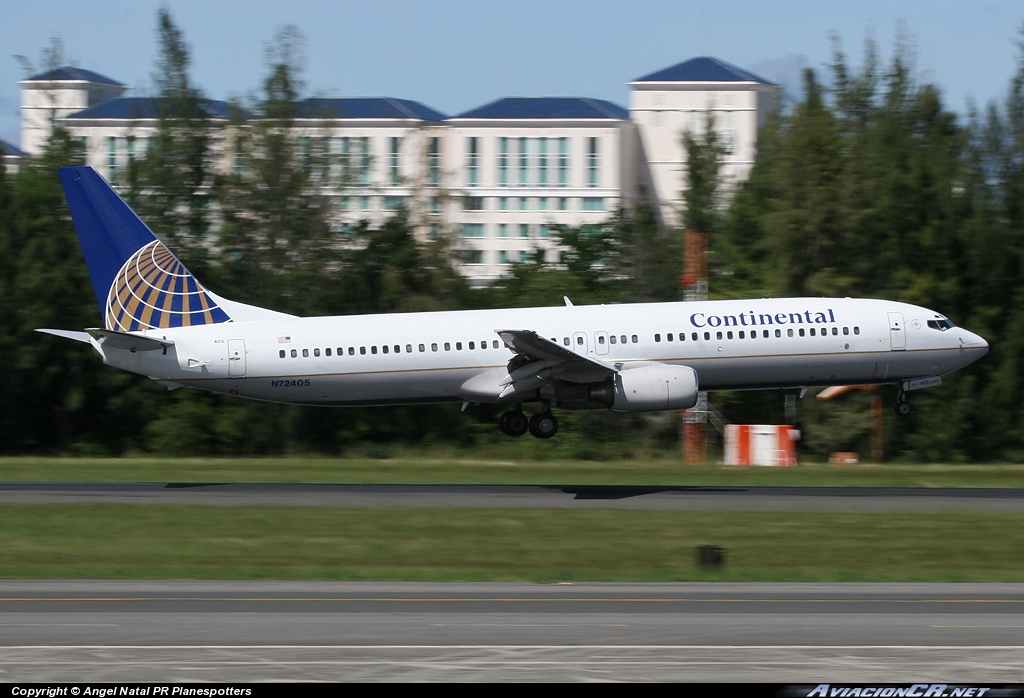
543 425
902 407
513 423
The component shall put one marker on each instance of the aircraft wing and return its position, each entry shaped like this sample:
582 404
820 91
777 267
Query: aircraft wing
531 345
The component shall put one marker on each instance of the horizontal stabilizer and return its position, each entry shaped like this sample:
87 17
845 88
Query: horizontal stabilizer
67 334
128 342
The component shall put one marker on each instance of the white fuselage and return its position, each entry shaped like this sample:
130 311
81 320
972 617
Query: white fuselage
427 357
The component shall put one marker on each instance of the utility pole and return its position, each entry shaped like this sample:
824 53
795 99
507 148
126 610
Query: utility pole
694 284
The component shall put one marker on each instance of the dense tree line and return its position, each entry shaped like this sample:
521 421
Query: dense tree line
864 186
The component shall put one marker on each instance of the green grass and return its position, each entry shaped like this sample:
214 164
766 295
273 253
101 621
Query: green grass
456 469
115 541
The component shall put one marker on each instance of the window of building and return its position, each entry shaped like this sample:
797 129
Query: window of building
503 162
472 161
472 230
524 162
473 256
563 162
542 162
593 203
393 203
365 157
434 160
395 160
592 163
473 203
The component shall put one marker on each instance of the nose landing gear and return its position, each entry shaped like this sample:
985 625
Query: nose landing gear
902 407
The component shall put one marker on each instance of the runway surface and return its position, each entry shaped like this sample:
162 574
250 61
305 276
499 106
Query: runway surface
247 631
521 496
176 631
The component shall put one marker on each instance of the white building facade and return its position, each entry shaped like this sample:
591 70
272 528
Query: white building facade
499 179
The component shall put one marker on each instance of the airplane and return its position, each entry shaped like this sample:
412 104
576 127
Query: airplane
160 322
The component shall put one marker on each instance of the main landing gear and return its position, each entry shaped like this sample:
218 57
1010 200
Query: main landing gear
543 425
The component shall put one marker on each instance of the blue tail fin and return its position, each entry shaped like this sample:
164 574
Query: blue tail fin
139 283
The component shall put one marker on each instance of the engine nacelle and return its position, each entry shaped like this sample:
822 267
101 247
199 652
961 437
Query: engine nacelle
651 388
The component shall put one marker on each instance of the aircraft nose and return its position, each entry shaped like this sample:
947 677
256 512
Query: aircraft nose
975 342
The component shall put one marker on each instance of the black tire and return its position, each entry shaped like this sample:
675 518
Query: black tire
543 425
513 423
902 408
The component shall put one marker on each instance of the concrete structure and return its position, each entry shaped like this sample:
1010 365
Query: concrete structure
12 157
497 178
669 102
49 97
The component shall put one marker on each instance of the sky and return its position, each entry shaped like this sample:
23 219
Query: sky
454 55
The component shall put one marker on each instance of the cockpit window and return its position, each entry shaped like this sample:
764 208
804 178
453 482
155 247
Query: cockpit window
941 324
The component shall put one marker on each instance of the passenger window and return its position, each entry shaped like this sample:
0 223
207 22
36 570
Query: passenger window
433 347
565 341
305 353
495 344
846 330
801 331
352 351
743 335
316 352
362 351
729 334
669 336
789 332
447 346
383 349
856 330
294 353
835 331
718 334
611 339
600 339
707 335
458 346
423 348
472 346
636 340
327 351
778 333
281 353
812 331
408 348
373 349
657 338
693 336
398 348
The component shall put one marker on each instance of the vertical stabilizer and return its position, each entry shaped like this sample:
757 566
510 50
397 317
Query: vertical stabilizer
139 283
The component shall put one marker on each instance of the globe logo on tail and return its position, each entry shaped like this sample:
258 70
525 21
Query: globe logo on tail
154 290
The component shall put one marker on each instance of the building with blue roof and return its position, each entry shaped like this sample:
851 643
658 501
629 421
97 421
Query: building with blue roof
52 95
499 177
668 102
12 157
526 165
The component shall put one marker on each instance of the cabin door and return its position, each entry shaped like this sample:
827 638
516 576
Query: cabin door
897 332
236 358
